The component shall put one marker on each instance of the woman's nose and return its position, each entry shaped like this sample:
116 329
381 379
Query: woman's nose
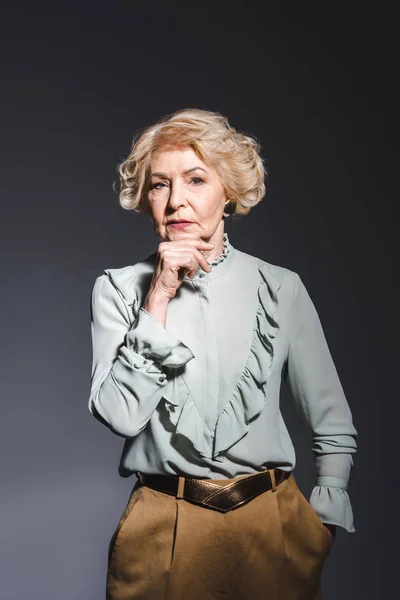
177 196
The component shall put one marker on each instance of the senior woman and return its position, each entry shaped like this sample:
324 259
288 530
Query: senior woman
190 346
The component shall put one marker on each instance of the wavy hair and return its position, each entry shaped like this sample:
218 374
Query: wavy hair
234 156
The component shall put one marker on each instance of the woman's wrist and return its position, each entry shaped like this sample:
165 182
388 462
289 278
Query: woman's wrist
157 306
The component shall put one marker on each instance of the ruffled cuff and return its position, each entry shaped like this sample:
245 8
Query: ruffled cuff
150 339
331 502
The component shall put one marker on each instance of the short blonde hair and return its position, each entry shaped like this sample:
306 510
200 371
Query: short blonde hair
234 156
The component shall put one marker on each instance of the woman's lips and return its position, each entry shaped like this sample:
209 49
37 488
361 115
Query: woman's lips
180 224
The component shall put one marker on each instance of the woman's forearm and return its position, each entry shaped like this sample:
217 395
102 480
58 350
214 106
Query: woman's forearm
129 358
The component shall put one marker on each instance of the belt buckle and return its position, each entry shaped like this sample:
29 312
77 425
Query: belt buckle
230 497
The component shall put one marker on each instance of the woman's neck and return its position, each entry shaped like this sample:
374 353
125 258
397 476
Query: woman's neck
218 239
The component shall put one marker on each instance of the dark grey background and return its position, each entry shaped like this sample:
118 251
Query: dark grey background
318 90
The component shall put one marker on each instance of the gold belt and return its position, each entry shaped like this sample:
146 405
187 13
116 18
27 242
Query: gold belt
211 495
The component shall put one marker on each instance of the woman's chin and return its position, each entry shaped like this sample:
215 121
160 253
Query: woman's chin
178 234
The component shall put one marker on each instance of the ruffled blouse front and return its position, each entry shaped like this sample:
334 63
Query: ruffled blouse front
201 396
212 432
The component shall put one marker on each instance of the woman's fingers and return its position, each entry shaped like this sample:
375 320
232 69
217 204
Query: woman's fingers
189 256
176 258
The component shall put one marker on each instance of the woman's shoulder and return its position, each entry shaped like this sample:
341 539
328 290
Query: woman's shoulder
276 276
129 280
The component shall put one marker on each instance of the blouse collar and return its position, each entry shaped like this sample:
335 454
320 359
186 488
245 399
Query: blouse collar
218 265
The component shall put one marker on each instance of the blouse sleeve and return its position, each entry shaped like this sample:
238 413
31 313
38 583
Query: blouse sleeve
130 362
317 391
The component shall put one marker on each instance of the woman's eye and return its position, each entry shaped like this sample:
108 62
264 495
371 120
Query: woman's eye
158 185
196 180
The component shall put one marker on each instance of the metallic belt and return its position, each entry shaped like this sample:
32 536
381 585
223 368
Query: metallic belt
211 495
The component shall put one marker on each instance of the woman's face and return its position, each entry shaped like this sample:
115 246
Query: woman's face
183 187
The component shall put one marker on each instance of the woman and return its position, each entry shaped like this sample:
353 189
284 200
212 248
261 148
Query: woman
190 347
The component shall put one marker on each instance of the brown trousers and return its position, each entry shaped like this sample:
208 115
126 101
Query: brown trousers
164 548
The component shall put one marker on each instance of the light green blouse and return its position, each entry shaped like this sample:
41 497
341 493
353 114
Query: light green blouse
200 397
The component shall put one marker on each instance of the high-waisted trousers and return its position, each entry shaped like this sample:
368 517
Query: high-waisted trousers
166 548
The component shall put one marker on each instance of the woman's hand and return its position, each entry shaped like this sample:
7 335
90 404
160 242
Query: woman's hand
174 260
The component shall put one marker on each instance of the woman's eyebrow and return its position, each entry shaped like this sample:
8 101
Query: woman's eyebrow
193 169
159 174
186 172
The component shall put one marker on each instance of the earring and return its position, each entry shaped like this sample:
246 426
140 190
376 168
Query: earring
230 208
